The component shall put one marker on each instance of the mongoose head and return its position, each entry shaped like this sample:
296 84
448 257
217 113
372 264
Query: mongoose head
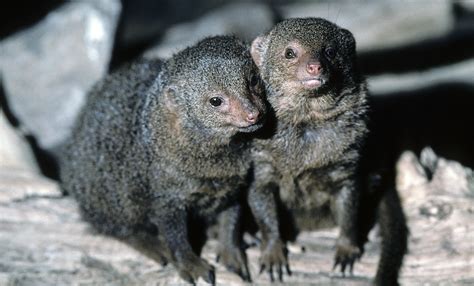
306 60
216 86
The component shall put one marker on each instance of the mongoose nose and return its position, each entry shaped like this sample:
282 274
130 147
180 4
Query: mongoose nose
314 68
253 117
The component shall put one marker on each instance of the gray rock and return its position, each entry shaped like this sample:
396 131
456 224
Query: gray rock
15 153
20 177
48 68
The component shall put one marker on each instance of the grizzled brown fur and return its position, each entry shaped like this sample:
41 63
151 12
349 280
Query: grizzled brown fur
319 101
154 150
311 162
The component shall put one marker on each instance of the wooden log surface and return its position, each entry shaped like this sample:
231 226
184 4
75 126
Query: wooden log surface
44 242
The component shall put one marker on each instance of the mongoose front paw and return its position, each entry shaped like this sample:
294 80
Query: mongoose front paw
191 269
235 260
346 254
275 254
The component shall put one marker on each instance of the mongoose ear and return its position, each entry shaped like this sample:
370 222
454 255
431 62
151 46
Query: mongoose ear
169 93
172 113
349 40
257 50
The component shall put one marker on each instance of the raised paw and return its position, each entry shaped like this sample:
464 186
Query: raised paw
275 257
191 269
235 260
346 255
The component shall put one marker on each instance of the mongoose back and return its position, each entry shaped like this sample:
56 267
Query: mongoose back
158 145
311 162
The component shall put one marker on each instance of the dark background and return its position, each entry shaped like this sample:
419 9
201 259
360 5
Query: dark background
438 114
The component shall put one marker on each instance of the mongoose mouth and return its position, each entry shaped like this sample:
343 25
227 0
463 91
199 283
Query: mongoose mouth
251 128
312 83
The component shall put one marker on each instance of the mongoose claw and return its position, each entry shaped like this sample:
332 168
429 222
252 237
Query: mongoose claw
186 277
190 271
235 260
275 257
346 255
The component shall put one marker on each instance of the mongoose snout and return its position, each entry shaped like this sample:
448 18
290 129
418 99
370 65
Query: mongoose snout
242 113
314 68
253 117
310 70
247 113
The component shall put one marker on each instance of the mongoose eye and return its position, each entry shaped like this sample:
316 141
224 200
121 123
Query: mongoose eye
215 101
330 53
290 54
254 80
